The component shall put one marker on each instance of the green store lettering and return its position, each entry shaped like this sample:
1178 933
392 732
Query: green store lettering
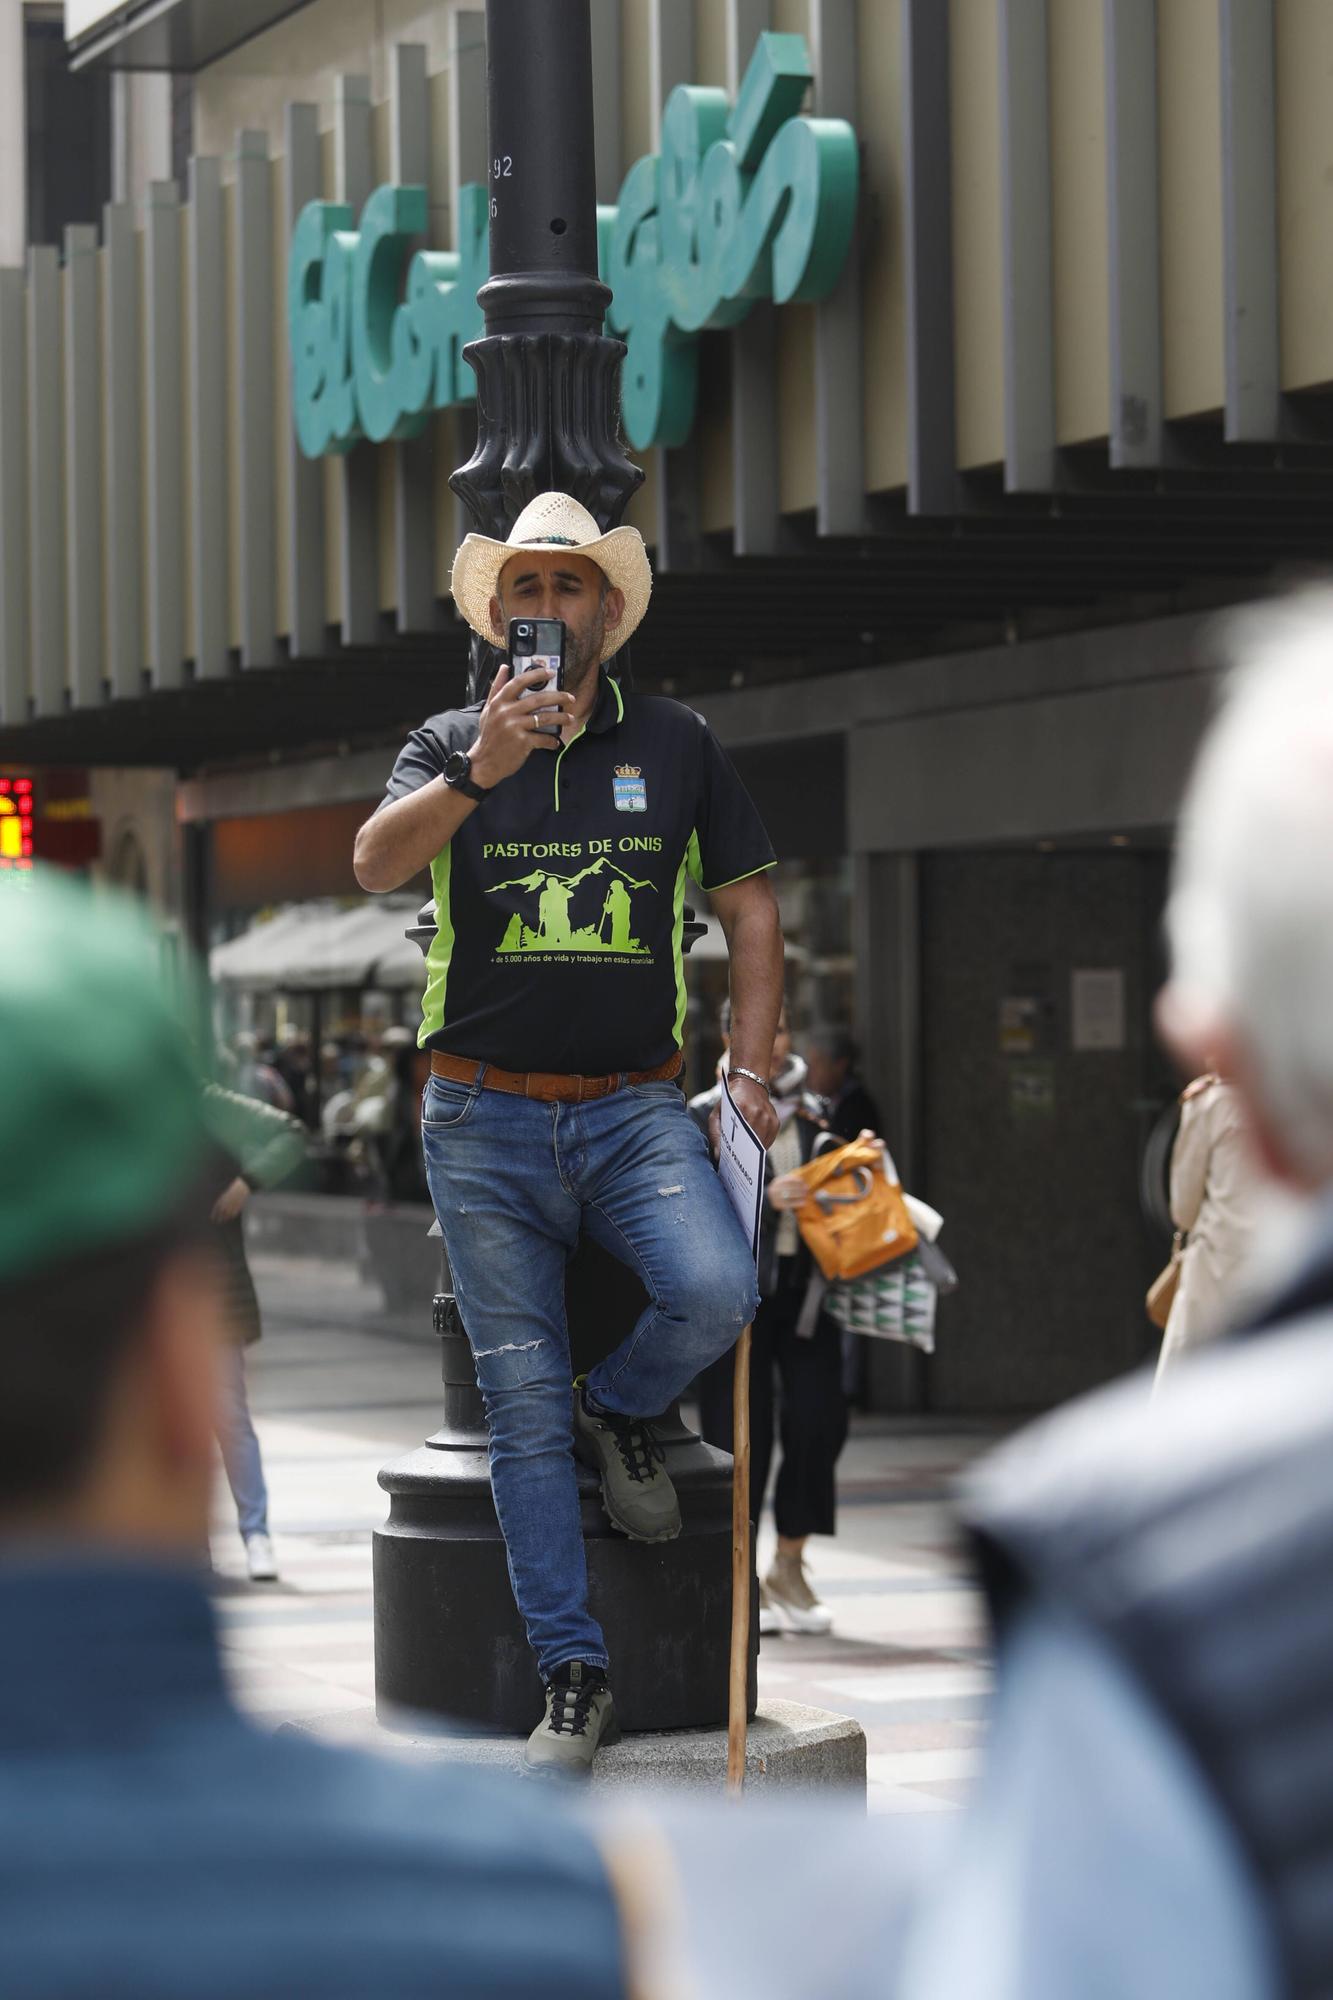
744 202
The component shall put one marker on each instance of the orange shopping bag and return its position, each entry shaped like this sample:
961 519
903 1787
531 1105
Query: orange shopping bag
854 1218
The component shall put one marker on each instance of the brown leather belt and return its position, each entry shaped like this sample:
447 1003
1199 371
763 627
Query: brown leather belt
550 1087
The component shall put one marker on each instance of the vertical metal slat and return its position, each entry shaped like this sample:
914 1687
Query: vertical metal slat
124 455
305 483
357 468
755 430
467 162
13 499
83 466
1253 355
1025 197
840 475
414 467
45 457
608 136
254 377
1133 232
208 420
932 456
162 361
679 533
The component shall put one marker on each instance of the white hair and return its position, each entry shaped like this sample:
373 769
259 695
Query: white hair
1250 918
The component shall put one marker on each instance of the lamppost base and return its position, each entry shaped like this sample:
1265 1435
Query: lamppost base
448 1638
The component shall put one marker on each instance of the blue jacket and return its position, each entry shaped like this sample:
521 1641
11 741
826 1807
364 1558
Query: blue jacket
154 1843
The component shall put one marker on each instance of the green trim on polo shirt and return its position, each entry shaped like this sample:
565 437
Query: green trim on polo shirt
711 888
440 954
678 938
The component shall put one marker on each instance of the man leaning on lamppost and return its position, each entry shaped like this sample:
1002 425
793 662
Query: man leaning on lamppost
559 828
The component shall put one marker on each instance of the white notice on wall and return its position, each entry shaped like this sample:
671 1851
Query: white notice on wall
741 1161
1098 1009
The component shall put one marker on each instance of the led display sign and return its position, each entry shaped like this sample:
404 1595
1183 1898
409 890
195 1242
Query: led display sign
15 823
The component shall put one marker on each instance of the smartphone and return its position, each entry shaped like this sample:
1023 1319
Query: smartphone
539 642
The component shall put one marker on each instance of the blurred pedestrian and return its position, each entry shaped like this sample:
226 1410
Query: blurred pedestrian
257 1146
1216 1188
255 1076
843 1101
799 1375
152 1840
1155 1816
839 1099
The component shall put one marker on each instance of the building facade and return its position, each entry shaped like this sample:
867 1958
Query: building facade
942 495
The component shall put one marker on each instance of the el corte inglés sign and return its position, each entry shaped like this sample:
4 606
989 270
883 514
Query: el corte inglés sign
745 201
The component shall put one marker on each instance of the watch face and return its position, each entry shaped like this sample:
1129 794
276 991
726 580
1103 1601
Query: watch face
456 766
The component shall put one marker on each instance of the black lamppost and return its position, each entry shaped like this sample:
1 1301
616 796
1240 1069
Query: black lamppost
447 1634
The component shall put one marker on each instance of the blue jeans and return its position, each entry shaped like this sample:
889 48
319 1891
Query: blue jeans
513 1182
240 1447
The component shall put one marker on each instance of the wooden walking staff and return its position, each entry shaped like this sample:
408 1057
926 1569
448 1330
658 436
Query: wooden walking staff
744 1183
739 1701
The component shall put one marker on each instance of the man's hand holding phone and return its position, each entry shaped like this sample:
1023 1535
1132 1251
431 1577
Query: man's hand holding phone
522 714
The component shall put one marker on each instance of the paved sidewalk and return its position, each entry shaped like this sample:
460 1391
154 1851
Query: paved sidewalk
336 1390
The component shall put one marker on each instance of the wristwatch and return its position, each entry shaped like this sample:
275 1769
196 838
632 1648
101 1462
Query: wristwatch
458 774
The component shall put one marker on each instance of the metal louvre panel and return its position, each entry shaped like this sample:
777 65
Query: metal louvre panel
83 466
13 499
357 469
1025 197
1252 350
679 538
1133 233
46 630
608 137
467 162
932 465
305 491
755 472
414 466
162 365
840 506
124 470
254 375
209 526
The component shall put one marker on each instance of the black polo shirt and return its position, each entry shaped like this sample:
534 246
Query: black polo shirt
559 902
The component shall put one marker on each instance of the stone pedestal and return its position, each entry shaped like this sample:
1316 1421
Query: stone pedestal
789 1748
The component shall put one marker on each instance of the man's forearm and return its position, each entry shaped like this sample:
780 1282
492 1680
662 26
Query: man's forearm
402 839
755 944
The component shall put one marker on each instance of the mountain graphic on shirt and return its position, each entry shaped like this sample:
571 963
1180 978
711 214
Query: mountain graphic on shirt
559 918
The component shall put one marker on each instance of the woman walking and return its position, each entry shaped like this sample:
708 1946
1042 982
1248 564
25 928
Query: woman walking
257 1146
793 1378
1215 1192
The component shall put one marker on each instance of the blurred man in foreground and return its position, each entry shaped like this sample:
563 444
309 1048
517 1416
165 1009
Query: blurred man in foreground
152 1842
1156 1816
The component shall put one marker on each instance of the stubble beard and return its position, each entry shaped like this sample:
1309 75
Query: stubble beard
585 653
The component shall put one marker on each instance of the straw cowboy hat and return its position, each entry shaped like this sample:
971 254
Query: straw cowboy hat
554 521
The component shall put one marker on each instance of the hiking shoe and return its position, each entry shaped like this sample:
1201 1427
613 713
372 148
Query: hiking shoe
789 1591
636 1491
580 1716
260 1559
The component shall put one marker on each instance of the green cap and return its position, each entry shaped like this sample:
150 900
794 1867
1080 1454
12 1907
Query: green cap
99 1085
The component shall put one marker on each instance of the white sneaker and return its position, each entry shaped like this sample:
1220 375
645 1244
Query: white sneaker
797 1606
260 1560
770 1618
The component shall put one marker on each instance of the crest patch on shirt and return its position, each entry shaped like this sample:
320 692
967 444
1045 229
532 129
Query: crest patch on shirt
629 789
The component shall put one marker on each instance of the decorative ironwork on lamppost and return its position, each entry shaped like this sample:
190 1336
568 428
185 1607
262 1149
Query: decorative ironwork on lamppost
447 1635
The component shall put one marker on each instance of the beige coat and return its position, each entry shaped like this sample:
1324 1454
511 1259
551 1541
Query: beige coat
1215 1185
